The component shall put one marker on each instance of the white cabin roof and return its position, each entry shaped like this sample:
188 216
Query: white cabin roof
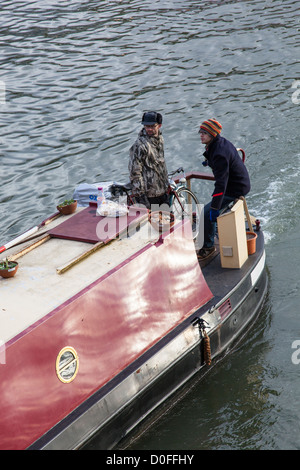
37 288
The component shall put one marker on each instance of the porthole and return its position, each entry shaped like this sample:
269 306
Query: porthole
67 364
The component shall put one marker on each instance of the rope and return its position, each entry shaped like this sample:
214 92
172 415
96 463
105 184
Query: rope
206 349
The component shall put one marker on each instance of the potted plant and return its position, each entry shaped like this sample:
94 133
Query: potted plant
67 207
8 268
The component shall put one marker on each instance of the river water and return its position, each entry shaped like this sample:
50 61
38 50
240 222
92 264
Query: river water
76 77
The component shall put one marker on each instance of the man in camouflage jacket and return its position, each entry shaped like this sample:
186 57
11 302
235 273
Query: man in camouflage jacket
147 167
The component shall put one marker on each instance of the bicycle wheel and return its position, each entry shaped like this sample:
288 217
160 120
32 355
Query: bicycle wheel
185 204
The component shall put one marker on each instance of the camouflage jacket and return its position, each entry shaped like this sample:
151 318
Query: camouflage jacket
147 167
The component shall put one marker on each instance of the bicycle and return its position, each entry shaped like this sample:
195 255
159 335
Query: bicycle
182 201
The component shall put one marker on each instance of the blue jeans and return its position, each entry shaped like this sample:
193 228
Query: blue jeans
210 227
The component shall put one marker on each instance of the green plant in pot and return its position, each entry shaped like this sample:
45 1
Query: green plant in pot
67 207
8 268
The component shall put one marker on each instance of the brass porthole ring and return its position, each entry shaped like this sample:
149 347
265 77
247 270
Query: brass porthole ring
67 364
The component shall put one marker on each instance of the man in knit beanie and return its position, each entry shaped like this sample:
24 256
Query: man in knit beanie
231 179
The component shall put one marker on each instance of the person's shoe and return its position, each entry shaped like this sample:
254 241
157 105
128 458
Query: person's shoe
205 253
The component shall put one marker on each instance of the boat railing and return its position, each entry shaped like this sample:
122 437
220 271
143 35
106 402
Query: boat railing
202 176
194 175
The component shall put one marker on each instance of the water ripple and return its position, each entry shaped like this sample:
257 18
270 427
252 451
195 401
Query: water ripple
78 76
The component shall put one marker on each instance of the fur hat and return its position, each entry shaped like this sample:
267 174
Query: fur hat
151 117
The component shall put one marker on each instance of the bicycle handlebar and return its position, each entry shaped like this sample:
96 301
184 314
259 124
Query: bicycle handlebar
179 170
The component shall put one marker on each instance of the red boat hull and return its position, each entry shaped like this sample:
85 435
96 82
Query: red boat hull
109 324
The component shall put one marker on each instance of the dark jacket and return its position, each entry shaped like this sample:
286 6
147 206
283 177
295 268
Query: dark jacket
231 175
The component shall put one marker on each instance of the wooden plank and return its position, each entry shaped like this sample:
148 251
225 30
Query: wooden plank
77 259
62 269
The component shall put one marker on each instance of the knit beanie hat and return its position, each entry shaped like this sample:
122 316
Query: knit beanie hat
212 126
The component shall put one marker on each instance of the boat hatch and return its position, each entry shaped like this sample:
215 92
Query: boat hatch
87 226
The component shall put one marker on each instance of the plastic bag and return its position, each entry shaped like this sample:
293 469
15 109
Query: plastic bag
86 193
111 209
